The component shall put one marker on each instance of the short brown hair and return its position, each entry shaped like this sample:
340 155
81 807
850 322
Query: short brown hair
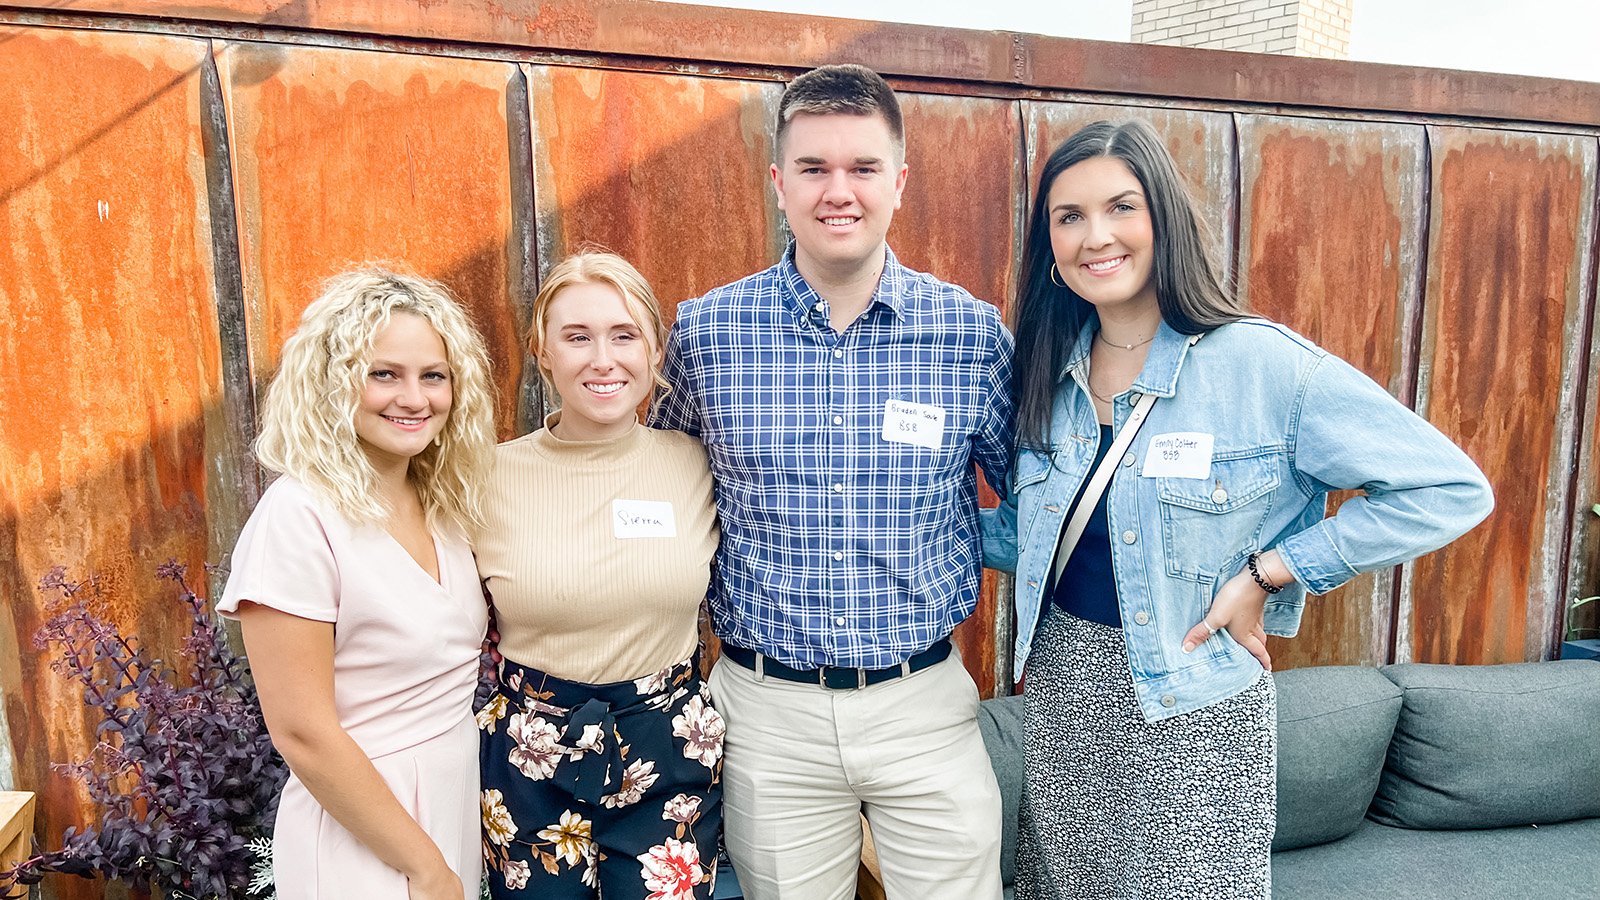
847 89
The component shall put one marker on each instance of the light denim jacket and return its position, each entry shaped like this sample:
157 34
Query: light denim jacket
1291 422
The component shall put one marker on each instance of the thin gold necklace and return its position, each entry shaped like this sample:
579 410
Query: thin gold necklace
1108 342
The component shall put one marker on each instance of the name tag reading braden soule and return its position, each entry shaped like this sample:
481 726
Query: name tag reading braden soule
642 519
913 423
1181 454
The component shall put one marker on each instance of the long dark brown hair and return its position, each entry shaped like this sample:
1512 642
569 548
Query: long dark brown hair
1049 317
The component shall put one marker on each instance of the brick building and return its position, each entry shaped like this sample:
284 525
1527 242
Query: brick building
1288 27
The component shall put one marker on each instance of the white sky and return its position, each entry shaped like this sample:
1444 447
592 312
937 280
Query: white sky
1554 38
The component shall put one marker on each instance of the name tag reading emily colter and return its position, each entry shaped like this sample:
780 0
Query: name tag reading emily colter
642 519
1181 454
913 423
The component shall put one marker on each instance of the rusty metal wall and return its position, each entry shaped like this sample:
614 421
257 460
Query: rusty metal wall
177 179
1509 293
1331 231
117 448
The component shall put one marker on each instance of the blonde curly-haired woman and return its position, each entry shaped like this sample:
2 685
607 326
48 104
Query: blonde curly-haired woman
358 596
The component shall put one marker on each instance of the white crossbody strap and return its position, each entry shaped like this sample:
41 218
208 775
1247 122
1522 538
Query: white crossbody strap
1097 485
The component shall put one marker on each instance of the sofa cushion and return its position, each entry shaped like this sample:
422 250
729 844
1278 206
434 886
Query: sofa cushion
1000 723
1548 862
1492 746
1334 724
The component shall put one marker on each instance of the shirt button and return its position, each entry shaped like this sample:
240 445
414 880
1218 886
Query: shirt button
1129 537
1141 617
838 354
1169 701
1219 496
838 488
838 620
838 556
1127 459
838 420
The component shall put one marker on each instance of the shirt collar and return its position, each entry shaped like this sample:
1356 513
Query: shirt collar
1168 350
803 299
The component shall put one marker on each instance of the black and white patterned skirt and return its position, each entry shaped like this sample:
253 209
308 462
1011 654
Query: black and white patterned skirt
1117 807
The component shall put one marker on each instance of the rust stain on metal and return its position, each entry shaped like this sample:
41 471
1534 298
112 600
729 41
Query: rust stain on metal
106 295
346 156
1201 142
1511 215
1310 270
668 171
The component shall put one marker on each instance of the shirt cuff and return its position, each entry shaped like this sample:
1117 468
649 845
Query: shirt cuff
1314 561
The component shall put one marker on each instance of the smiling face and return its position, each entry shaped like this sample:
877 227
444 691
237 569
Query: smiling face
407 395
599 360
1101 236
839 184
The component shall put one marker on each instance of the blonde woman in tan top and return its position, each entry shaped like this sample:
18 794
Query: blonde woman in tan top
602 756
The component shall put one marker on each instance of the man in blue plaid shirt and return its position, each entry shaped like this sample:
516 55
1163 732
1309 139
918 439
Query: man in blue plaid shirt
843 399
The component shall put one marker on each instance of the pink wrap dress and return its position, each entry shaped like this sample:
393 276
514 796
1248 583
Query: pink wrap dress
405 664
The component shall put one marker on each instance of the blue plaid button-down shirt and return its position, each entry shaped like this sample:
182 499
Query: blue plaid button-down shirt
840 547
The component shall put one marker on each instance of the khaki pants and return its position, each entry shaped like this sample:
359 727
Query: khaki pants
802 763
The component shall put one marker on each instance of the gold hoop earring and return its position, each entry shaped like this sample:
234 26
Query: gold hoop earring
1055 276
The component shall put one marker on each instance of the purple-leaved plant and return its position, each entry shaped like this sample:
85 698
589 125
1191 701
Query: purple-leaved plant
184 769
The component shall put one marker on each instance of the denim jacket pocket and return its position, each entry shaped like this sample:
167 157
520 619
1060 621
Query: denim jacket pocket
1205 521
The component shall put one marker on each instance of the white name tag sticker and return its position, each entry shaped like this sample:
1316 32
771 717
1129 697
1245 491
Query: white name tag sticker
642 519
1181 454
913 423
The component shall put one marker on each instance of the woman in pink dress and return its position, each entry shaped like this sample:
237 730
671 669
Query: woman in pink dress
359 599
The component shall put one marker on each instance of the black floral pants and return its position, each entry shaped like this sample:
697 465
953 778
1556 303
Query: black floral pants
613 787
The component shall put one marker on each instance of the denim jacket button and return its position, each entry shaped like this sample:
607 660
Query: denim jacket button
1141 617
1219 496
1169 701
1129 537
1127 459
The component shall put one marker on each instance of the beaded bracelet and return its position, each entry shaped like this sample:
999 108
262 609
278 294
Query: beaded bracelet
1255 573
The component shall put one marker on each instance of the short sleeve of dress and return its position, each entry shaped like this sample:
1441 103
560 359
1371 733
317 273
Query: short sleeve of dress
285 558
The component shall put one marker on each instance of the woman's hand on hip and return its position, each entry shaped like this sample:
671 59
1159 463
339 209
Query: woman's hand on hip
1240 608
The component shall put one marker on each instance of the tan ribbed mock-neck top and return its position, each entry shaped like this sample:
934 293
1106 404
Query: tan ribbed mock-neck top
597 553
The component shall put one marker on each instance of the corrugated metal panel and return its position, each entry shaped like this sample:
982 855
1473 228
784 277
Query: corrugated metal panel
1348 282
668 171
960 219
1511 225
343 157
112 341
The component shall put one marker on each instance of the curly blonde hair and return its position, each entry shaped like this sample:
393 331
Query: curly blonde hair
308 419
597 267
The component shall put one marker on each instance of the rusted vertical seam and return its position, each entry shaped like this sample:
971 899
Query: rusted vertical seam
524 243
236 471
1005 634
1235 204
1576 509
1411 381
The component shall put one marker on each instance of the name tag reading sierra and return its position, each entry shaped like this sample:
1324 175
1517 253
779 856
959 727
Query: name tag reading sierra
642 519
1181 454
913 423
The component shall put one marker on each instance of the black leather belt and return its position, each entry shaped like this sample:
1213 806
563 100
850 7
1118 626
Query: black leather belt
835 677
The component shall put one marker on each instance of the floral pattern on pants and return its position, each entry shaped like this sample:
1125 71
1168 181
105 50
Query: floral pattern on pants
591 788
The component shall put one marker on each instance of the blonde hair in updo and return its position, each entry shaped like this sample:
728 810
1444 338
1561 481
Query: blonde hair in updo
308 418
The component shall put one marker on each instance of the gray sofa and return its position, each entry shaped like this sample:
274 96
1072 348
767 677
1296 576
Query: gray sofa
1415 782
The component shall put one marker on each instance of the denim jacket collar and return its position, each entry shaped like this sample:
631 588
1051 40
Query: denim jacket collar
1162 362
